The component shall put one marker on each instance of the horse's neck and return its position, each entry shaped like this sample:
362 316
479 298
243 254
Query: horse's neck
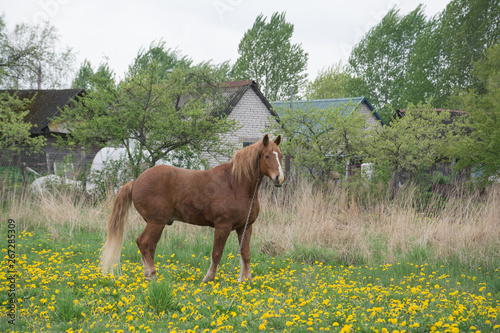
248 184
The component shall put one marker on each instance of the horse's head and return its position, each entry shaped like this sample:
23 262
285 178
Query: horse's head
270 160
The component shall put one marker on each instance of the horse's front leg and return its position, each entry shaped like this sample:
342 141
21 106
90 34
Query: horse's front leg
220 237
245 272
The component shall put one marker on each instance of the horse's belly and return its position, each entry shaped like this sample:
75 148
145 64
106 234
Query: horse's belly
192 216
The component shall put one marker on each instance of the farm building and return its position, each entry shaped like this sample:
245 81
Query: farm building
44 107
357 104
245 104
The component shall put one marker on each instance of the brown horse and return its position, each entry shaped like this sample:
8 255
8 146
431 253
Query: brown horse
219 198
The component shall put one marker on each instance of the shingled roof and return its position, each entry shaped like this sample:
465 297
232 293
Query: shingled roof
234 91
45 105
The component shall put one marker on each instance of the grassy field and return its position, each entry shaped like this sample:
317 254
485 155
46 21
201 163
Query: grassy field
335 262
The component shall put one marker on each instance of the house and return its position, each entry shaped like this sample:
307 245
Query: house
247 105
358 104
44 107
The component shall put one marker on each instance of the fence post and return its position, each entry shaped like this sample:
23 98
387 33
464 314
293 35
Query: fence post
84 167
24 177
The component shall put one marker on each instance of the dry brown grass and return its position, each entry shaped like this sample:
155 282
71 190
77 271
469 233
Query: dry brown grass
467 229
335 226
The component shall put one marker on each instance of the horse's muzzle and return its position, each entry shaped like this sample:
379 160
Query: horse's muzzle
278 181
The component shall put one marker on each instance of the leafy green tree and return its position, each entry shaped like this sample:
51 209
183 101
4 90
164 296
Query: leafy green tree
31 59
222 72
14 131
378 61
481 148
89 80
153 117
412 143
268 56
468 28
331 82
322 141
166 59
423 76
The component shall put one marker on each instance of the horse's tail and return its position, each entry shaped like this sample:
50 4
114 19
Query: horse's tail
111 251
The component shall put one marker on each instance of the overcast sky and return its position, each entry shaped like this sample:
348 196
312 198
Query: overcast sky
203 29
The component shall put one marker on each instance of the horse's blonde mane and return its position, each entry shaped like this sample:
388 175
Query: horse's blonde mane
246 162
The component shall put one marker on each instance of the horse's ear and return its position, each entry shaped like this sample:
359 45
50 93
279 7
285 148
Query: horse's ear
277 141
265 140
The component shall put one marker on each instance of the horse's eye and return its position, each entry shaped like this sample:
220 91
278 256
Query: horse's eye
267 156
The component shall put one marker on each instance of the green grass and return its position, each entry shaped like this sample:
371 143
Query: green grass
60 289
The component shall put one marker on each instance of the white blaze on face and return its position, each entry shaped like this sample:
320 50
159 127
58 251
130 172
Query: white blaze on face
281 176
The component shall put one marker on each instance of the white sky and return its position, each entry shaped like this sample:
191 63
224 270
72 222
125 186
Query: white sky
203 29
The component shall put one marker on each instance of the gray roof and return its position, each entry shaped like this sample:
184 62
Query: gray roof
349 104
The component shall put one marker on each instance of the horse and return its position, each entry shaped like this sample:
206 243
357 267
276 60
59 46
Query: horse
219 198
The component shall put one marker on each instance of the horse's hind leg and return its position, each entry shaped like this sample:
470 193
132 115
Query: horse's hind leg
220 238
147 242
245 272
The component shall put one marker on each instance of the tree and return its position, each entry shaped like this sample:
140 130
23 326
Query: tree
423 81
89 80
412 143
14 131
379 60
268 56
481 148
166 59
468 28
153 117
322 141
30 58
331 82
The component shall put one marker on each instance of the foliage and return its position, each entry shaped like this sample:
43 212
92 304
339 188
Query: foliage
414 142
30 58
379 60
409 59
322 140
268 56
165 59
14 131
481 147
468 28
331 82
90 80
423 69
151 116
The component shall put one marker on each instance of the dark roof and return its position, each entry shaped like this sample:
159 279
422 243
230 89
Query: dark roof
234 91
348 104
45 105
453 113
